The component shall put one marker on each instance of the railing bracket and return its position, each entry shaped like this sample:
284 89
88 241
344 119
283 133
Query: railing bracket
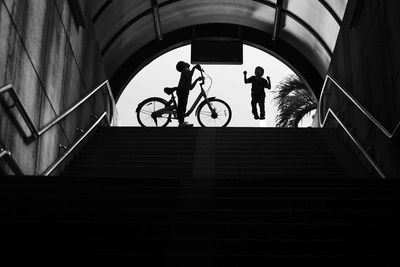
13 105
61 146
370 150
353 129
80 131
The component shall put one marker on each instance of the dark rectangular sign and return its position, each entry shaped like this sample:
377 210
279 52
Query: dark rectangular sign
225 51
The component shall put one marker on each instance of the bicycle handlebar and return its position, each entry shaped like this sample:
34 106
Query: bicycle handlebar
202 76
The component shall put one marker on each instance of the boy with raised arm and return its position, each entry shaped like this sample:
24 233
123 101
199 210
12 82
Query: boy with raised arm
184 87
257 91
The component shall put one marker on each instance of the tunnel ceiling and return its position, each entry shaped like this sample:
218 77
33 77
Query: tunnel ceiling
125 27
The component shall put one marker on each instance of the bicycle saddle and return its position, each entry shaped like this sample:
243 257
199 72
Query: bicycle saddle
169 90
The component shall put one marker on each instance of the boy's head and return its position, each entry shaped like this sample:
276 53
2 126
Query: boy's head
259 72
181 66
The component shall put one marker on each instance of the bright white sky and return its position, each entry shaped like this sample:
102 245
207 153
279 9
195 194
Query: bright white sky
227 84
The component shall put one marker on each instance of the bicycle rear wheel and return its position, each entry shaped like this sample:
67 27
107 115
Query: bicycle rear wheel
145 113
219 116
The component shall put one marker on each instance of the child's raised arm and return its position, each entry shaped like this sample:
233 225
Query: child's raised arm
268 83
245 77
195 82
197 66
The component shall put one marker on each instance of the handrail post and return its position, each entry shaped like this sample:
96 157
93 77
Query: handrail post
18 103
113 110
10 161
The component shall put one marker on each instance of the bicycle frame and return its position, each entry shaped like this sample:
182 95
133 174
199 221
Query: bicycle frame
172 105
197 101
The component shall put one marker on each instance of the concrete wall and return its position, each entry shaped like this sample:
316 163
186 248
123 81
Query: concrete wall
366 63
52 63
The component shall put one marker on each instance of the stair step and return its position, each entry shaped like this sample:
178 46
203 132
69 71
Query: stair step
209 197
200 215
82 203
155 259
93 229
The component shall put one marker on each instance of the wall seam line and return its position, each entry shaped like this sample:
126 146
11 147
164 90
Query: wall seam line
72 49
27 53
353 70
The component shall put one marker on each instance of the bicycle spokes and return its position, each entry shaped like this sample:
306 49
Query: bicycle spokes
148 115
216 114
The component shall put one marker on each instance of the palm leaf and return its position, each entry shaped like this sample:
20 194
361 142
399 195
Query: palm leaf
294 101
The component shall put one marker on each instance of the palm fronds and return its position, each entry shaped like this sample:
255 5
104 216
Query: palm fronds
294 100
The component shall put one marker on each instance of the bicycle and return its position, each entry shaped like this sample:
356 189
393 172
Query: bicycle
211 112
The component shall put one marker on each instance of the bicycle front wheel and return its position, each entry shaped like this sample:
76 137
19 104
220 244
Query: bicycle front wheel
145 113
219 115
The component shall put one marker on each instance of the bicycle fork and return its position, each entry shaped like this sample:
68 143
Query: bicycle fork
214 113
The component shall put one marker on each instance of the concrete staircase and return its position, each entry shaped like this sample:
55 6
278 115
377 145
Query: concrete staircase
205 197
216 153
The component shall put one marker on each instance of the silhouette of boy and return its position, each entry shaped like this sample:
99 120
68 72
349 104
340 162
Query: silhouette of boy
184 87
257 91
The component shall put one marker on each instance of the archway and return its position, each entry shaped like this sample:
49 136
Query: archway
280 49
224 82
132 33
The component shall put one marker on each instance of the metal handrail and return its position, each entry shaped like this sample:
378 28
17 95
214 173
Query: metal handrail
10 161
17 102
322 122
55 164
360 107
359 146
74 107
38 133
